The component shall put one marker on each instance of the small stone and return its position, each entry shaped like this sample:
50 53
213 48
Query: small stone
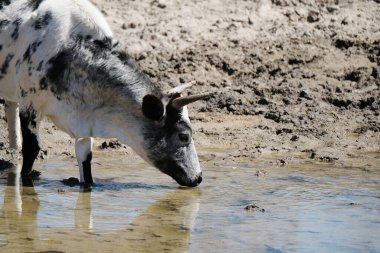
313 17
161 5
294 138
260 173
263 101
250 21
72 181
281 162
345 21
142 56
332 9
132 25
254 208
304 94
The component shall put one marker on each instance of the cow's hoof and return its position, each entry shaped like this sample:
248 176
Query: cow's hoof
35 175
86 187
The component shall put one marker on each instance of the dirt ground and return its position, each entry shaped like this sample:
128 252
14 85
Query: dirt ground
288 76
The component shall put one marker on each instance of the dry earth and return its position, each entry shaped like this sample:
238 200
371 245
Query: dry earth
291 78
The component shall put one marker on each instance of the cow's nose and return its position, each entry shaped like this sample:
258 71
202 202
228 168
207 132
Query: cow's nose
199 179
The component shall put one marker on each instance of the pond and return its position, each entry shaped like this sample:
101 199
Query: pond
300 206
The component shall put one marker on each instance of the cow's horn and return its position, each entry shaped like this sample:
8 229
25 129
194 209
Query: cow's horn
180 88
180 102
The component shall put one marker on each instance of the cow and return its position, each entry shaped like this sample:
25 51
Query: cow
60 60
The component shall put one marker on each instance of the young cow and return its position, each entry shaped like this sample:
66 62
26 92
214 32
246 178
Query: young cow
59 59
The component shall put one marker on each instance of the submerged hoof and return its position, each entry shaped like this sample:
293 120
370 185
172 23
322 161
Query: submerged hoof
35 175
27 179
86 187
73 181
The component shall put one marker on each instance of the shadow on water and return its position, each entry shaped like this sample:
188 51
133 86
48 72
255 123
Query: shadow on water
165 225
101 185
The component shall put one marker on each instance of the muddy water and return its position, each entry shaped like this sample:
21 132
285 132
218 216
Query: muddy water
300 207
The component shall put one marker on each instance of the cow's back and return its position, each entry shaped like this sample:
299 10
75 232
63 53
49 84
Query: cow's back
33 32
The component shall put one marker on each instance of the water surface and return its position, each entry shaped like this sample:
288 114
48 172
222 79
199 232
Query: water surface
304 206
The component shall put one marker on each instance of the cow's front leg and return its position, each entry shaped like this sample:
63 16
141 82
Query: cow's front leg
83 151
12 114
30 140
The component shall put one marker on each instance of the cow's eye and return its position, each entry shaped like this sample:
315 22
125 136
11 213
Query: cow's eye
184 138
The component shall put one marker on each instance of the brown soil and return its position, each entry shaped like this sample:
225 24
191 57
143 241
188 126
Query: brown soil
287 75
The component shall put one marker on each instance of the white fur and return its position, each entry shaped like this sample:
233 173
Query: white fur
69 16
86 109
83 147
11 112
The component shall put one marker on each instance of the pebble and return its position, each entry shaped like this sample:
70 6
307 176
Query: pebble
254 208
313 17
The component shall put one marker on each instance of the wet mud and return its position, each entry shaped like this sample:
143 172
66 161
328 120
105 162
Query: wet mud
285 75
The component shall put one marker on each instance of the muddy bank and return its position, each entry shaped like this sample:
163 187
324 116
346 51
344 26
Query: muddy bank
288 75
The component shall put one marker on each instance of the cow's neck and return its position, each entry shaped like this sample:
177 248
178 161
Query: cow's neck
103 95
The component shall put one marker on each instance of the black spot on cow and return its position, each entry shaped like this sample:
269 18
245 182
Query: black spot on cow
5 65
15 33
27 54
43 21
40 66
43 84
105 44
123 56
32 90
116 44
87 169
32 48
34 4
99 48
24 93
30 145
18 62
103 65
55 74
4 23
125 59
4 3
1 47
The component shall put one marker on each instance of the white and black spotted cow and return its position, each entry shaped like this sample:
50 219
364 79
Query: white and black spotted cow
59 59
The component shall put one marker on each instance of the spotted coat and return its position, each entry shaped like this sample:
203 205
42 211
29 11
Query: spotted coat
59 59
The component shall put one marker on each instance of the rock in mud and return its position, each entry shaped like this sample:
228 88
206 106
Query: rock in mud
110 144
254 208
294 138
5 165
72 181
260 173
313 17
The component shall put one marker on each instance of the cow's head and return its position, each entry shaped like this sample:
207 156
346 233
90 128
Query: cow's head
168 141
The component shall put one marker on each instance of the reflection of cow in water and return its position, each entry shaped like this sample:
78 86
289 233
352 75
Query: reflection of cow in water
164 226
59 59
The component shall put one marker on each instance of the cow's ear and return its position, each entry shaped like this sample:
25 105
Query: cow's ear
153 108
